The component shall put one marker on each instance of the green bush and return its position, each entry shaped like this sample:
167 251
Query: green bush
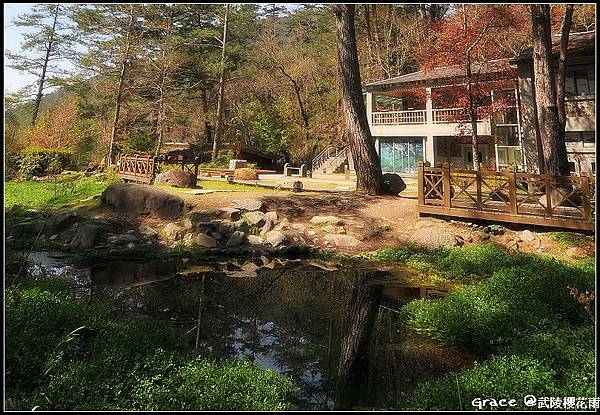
43 161
63 354
511 303
222 161
559 363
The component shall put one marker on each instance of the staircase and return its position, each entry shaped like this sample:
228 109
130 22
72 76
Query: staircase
331 160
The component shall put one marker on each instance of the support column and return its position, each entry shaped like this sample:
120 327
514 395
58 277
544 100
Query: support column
429 150
371 106
429 106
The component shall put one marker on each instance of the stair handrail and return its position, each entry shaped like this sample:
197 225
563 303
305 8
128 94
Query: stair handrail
321 157
326 154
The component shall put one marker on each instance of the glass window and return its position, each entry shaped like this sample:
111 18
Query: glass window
588 137
572 167
572 137
593 164
582 83
570 83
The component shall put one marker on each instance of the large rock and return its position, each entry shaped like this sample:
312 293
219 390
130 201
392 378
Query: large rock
326 220
393 184
433 237
173 231
65 220
85 237
236 239
176 178
334 229
275 238
205 241
255 218
342 240
248 205
141 199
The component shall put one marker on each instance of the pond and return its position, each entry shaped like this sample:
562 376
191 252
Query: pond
334 329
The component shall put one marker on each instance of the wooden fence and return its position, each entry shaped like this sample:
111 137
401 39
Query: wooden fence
536 199
137 168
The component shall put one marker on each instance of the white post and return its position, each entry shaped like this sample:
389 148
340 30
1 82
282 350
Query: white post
429 106
371 106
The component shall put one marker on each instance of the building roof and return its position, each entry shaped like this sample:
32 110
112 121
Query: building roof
448 75
580 44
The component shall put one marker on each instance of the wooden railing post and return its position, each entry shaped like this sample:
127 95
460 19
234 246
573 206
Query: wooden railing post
512 192
478 186
584 182
420 183
548 192
446 184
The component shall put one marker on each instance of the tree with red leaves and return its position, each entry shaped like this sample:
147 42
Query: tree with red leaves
471 35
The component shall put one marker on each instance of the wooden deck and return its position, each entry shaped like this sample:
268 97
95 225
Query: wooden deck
535 199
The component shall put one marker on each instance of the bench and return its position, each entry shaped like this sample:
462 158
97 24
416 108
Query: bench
301 171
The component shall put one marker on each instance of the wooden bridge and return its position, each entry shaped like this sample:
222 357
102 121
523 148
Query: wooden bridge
535 199
143 169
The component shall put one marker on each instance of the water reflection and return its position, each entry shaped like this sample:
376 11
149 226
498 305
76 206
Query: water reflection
334 329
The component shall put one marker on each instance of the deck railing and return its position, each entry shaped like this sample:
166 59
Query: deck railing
400 117
137 168
537 199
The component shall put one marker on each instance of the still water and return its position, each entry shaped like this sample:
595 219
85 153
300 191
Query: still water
334 329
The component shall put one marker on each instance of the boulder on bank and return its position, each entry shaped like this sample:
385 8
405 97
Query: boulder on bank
139 199
176 178
393 184
245 174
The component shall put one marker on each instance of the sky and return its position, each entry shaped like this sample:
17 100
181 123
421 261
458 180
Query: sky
14 80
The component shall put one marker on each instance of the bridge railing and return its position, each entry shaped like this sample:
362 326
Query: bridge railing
537 199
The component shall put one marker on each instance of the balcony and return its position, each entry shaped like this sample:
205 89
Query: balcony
435 121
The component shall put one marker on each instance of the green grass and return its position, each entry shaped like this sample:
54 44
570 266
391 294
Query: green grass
218 185
33 194
520 313
63 354
570 239
558 363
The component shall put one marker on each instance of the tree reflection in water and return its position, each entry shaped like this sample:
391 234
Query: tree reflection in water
353 367
298 320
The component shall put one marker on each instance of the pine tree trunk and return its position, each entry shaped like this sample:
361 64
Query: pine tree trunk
207 126
40 92
219 126
354 363
119 97
562 67
362 147
553 144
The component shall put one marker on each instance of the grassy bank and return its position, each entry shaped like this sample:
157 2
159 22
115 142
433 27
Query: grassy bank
54 193
517 309
62 354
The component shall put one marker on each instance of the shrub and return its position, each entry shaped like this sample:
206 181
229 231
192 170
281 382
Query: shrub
63 354
512 303
245 174
43 161
559 363
503 377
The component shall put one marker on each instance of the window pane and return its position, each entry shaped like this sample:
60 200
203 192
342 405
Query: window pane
582 83
592 81
570 83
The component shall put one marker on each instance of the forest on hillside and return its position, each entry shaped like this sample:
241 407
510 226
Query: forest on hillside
140 75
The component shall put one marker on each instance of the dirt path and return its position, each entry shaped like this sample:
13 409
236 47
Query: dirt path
385 221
